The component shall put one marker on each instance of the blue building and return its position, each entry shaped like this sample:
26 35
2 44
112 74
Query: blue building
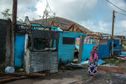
66 46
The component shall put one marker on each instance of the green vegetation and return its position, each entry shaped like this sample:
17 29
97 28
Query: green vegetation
114 61
6 13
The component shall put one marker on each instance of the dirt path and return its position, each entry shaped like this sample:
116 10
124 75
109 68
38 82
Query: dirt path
107 78
66 77
79 76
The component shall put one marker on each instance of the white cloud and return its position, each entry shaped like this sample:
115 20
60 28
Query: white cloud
40 7
76 10
5 4
120 27
123 23
79 11
106 27
99 26
120 23
25 7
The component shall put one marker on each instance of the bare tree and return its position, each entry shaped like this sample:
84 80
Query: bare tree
6 13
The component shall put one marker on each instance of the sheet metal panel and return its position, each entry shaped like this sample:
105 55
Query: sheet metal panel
43 61
40 61
54 62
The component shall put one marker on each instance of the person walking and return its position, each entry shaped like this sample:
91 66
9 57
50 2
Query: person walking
93 62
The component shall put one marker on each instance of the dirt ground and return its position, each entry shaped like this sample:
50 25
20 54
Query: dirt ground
78 76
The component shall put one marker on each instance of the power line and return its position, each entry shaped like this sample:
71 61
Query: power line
115 5
48 6
120 13
48 11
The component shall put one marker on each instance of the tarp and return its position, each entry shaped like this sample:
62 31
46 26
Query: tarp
100 62
123 54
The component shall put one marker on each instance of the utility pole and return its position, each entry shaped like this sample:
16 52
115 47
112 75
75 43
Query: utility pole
14 20
112 37
113 21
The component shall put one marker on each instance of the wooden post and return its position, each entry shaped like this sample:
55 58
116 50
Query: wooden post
81 48
112 37
14 20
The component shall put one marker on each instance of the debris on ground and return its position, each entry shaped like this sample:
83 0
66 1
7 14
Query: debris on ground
9 69
5 79
108 73
122 58
105 75
74 66
17 76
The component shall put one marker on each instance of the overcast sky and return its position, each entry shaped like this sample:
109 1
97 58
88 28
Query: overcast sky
96 15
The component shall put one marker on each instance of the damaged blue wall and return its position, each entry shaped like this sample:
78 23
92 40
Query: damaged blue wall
87 48
19 50
103 51
66 51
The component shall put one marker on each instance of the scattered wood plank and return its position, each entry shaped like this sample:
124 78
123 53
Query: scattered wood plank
7 79
25 74
17 76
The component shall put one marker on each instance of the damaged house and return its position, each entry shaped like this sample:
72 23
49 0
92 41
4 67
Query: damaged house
45 48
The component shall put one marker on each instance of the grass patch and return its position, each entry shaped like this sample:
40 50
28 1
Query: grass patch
114 61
